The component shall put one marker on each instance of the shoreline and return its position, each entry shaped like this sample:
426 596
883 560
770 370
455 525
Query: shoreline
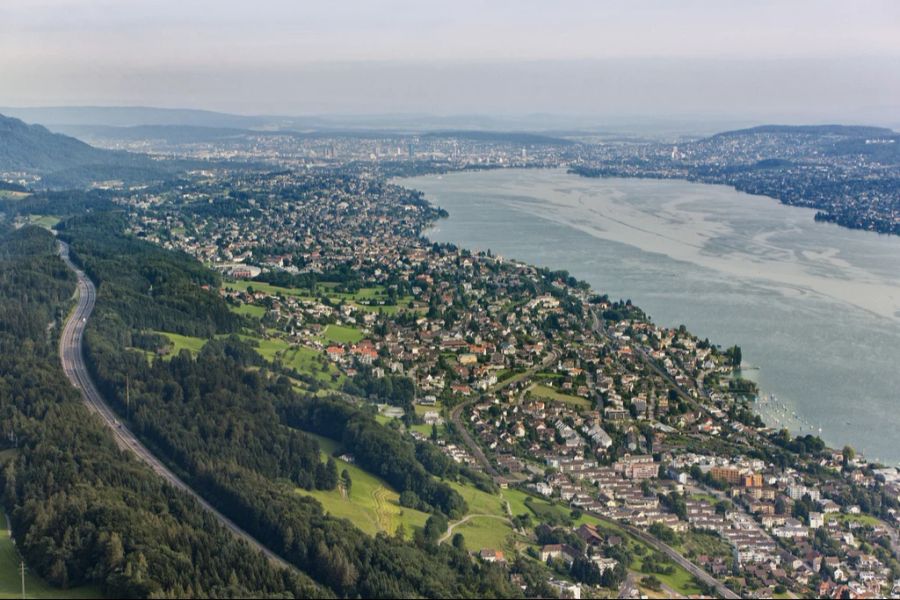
804 422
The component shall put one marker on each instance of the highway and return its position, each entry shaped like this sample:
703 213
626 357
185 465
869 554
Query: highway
72 357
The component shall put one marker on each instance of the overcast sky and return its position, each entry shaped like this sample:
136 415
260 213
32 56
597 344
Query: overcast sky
815 59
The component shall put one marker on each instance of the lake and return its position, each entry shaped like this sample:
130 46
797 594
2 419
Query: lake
815 307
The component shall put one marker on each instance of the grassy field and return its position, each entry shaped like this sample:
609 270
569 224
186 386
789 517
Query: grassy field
680 580
308 361
47 221
364 299
250 310
847 518
341 334
544 391
485 532
372 504
183 342
13 195
302 359
11 582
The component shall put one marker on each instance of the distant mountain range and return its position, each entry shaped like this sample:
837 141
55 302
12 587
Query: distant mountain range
65 119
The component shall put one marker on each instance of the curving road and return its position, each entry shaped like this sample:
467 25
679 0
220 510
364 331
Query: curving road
72 358
455 414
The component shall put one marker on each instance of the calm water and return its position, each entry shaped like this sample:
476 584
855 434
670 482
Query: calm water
815 307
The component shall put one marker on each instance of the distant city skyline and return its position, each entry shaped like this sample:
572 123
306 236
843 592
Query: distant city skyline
801 61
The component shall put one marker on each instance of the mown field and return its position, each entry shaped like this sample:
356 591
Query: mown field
342 334
543 391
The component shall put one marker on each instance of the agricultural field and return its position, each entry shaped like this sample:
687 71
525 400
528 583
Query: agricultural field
543 391
35 587
372 505
697 543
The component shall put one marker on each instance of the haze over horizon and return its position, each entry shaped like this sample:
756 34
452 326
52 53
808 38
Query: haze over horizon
798 61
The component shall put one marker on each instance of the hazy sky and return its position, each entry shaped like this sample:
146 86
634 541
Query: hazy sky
813 58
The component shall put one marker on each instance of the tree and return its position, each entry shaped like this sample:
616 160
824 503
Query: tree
849 454
435 527
650 581
326 477
459 542
346 481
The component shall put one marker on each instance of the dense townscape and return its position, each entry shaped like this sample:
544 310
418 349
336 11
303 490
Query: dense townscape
848 173
353 396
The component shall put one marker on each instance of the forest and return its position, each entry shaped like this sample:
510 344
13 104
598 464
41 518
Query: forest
82 511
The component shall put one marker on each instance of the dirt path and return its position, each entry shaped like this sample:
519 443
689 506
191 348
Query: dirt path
465 520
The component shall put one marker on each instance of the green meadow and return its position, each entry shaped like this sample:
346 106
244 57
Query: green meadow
372 504
342 334
543 391
35 587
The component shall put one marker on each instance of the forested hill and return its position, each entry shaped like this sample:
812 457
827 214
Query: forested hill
63 161
82 511
26 147
850 131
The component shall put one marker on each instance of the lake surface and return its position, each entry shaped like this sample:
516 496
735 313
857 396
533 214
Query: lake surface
815 307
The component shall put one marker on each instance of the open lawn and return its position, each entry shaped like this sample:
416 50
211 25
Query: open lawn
35 587
544 391
341 334
309 361
372 505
